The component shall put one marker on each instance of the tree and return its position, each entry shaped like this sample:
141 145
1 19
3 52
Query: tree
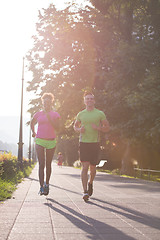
63 60
133 76
113 49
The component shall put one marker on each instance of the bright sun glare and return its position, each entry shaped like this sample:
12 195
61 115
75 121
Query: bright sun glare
17 23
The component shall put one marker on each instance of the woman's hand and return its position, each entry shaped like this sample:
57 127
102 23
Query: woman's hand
33 134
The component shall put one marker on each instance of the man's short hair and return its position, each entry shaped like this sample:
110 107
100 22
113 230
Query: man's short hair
88 93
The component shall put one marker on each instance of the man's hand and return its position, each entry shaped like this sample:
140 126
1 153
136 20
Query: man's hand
82 129
103 127
95 127
78 128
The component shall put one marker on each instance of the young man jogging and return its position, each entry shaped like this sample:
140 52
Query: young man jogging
89 123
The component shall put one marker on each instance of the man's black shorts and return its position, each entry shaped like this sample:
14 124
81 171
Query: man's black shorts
89 152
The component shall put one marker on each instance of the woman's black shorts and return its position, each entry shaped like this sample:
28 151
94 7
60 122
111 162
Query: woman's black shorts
89 152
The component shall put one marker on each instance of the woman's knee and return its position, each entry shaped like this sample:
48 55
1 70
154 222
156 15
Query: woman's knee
41 163
41 166
48 166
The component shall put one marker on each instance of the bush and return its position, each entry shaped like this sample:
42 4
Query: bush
77 164
11 174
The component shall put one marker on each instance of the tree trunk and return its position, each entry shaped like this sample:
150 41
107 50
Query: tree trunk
127 165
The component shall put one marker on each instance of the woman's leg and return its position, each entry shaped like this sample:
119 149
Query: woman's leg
41 159
49 157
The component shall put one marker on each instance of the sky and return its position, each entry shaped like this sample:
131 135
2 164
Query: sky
17 25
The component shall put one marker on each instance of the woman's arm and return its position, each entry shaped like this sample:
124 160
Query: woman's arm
33 122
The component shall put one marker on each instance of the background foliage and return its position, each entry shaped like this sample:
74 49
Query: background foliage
112 48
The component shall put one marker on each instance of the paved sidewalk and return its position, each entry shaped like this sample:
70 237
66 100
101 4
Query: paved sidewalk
120 209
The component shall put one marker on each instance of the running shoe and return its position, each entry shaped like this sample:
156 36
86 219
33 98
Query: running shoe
85 196
41 191
46 189
90 189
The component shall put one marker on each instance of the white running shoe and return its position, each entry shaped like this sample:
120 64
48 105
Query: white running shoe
85 196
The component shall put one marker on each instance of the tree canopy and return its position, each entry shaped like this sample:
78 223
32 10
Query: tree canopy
111 47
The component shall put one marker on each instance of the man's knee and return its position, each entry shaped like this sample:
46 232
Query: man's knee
92 168
84 170
85 166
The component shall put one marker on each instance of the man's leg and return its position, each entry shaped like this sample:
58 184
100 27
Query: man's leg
84 175
95 156
92 173
84 178
92 176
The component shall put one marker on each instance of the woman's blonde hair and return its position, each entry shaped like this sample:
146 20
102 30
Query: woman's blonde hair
48 95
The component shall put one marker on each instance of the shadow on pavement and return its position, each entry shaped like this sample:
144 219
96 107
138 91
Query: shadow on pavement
87 224
125 182
52 185
130 214
145 187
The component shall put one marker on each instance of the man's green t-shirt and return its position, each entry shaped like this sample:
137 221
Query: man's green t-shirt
87 118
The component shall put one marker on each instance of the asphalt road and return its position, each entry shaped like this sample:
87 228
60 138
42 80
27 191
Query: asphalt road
120 209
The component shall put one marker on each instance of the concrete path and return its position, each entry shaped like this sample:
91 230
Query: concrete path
120 209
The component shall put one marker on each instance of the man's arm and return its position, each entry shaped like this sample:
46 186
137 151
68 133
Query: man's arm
103 127
78 128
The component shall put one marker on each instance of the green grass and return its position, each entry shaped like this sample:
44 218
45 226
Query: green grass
6 189
9 183
154 178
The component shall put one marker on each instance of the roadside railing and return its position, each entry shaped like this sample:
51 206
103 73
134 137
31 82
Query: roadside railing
148 171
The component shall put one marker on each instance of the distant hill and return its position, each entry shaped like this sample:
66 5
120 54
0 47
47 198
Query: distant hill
9 134
13 148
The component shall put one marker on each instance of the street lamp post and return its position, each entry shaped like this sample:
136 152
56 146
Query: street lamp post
30 151
20 143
